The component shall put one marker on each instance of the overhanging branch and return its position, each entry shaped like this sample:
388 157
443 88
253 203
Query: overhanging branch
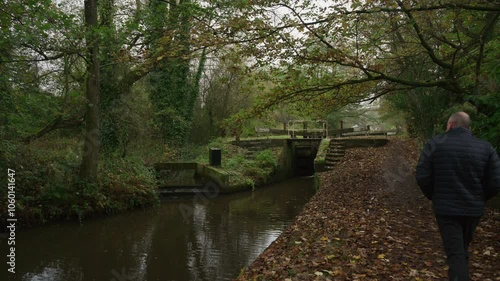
57 123
424 43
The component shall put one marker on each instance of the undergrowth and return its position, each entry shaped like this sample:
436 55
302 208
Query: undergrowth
47 186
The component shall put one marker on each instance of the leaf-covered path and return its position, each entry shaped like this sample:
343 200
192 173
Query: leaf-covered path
369 221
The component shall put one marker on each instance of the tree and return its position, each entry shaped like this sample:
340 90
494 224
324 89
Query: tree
368 46
115 60
174 86
90 159
224 91
109 82
39 46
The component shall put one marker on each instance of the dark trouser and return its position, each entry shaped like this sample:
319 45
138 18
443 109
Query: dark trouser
457 232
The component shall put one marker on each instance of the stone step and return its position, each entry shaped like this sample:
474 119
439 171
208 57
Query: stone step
338 159
340 152
333 160
337 148
336 145
335 153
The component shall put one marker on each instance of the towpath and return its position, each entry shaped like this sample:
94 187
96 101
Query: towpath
369 221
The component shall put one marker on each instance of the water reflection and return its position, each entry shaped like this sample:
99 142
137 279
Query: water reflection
215 240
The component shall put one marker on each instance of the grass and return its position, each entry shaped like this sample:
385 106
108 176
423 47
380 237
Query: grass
322 150
244 169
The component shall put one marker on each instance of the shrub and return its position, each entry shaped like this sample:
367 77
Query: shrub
124 183
266 158
47 186
236 162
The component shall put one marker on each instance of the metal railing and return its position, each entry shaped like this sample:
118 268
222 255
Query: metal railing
308 129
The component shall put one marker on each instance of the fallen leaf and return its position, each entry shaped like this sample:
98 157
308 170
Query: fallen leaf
413 272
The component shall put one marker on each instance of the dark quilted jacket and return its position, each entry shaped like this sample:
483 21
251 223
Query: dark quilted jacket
459 173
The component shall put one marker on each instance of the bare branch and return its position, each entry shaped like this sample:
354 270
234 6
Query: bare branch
444 6
424 43
491 21
57 123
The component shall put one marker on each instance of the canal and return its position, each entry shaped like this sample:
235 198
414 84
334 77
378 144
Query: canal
182 239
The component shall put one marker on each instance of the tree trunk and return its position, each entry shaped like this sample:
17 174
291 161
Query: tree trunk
90 159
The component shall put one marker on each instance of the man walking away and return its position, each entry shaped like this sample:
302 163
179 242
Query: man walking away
459 173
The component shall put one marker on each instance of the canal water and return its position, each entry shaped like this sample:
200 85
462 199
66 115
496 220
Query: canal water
183 239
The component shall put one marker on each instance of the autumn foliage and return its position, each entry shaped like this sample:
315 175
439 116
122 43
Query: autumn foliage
369 221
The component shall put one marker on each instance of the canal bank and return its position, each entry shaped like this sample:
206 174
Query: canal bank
48 189
369 221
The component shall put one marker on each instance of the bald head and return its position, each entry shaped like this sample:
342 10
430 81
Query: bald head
459 119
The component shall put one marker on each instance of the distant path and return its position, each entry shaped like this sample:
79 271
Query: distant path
369 221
